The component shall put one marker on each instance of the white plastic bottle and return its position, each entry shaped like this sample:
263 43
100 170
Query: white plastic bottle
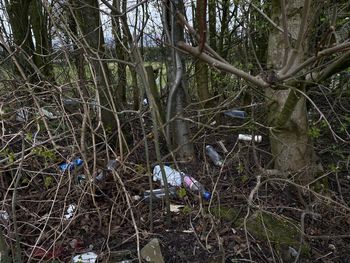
248 137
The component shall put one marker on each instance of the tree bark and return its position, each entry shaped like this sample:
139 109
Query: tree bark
18 12
120 41
291 147
38 21
179 135
201 68
90 27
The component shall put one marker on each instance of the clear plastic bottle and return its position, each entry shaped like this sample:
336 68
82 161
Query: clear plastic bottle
213 155
192 184
158 194
236 114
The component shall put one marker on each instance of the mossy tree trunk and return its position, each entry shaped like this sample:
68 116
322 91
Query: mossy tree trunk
291 146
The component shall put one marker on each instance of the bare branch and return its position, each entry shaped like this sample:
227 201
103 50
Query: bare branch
326 52
222 66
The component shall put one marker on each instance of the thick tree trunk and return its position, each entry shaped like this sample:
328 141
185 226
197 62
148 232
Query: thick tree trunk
179 135
89 23
201 75
38 20
22 36
201 68
291 147
120 41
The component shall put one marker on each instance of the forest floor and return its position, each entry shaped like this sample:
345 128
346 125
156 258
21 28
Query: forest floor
247 219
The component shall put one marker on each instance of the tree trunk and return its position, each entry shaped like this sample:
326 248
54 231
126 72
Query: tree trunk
179 135
22 37
38 20
120 41
201 68
291 147
90 27
201 75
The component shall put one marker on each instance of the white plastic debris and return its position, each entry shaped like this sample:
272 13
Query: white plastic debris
4 215
22 114
175 208
293 252
70 212
145 102
174 177
247 137
48 114
89 257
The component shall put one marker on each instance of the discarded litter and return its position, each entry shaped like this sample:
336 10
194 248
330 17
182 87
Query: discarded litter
236 114
223 147
70 102
71 165
174 177
81 178
158 193
247 137
293 252
152 253
175 208
89 257
48 114
177 179
22 114
70 212
195 186
213 155
145 102
100 176
112 164
4 215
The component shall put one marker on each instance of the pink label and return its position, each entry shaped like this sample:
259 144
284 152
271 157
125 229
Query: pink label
188 181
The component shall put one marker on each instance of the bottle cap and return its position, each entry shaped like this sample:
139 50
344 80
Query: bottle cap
78 162
206 195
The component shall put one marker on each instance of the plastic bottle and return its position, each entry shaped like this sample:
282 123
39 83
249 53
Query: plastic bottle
112 164
213 155
70 166
236 114
158 193
247 137
192 184
174 177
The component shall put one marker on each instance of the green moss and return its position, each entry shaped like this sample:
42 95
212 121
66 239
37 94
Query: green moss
280 231
226 213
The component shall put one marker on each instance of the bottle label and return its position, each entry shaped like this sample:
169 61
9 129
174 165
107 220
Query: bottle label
189 181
